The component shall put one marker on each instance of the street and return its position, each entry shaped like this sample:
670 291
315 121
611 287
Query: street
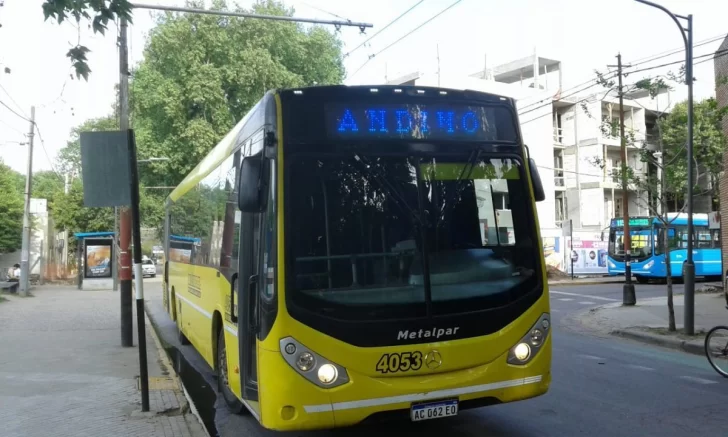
601 386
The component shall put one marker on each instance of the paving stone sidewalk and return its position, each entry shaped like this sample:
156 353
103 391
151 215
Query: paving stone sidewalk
63 371
648 320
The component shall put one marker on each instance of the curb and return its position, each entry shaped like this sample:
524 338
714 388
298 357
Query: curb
660 340
172 372
575 283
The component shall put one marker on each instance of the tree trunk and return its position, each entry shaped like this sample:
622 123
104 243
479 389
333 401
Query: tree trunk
668 269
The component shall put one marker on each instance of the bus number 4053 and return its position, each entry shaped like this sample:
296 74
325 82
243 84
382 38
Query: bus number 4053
391 363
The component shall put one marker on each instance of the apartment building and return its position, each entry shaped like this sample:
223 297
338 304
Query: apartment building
575 139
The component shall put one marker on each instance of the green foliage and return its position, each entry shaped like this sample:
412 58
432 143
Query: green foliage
47 185
70 213
201 74
98 12
11 210
709 144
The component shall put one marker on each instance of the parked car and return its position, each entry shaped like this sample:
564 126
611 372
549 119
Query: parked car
148 268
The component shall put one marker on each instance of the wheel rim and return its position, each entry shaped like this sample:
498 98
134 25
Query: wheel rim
716 349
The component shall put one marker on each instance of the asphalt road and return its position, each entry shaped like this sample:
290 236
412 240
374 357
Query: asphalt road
601 387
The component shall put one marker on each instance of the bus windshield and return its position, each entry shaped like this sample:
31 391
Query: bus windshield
364 228
641 243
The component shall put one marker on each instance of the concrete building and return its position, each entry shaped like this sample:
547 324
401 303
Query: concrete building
572 138
721 95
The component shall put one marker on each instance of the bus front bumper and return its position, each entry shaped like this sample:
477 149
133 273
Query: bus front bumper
290 402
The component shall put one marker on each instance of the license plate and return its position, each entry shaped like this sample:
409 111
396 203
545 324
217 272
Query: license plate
434 410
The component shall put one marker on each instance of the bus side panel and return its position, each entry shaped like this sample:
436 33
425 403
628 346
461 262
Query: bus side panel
202 294
230 333
707 262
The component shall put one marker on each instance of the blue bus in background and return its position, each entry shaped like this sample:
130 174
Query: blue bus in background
648 249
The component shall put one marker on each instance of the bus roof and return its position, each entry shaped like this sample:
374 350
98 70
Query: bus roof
674 218
256 118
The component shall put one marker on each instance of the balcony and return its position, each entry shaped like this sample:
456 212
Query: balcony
559 180
559 138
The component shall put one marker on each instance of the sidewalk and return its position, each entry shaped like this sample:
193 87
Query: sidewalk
594 280
648 320
64 373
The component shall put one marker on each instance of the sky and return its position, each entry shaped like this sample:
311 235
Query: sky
583 34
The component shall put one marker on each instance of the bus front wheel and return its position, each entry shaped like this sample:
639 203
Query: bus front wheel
223 384
642 279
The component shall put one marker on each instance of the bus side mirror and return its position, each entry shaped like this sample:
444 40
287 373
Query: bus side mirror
536 181
253 184
601 236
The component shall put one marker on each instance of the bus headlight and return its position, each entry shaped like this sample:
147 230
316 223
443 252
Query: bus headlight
312 366
327 374
528 346
648 265
305 361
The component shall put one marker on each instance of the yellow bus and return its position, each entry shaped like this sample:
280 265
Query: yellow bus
347 254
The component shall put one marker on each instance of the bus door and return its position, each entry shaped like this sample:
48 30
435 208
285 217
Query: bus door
247 286
256 247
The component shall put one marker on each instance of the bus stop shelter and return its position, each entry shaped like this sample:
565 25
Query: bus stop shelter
95 260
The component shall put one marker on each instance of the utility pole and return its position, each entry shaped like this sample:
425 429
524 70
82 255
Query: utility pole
25 251
124 237
628 294
438 65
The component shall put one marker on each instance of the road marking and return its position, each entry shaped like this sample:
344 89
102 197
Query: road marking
586 302
698 380
587 296
638 367
566 299
592 357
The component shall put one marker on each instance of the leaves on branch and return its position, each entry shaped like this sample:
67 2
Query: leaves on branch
100 12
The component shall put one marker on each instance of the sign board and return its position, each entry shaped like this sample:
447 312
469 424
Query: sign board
714 220
98 259
105 168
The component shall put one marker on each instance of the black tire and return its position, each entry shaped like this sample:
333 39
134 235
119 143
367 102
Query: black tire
154 275
223 387
642 279
720 366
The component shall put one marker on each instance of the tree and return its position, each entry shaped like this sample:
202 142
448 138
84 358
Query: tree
69 212
201 74
669 182
11 210
98 12
47 185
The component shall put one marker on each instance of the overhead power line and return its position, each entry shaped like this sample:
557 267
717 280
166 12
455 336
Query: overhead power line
13 111
709 56
20 108
404 36
667 53
384 28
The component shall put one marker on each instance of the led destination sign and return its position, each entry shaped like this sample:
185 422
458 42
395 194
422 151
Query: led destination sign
619 223
431 122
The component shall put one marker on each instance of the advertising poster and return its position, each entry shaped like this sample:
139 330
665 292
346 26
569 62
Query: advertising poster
552 252
180 255
98 261
590 256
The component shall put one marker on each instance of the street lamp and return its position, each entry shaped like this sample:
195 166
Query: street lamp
689 266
